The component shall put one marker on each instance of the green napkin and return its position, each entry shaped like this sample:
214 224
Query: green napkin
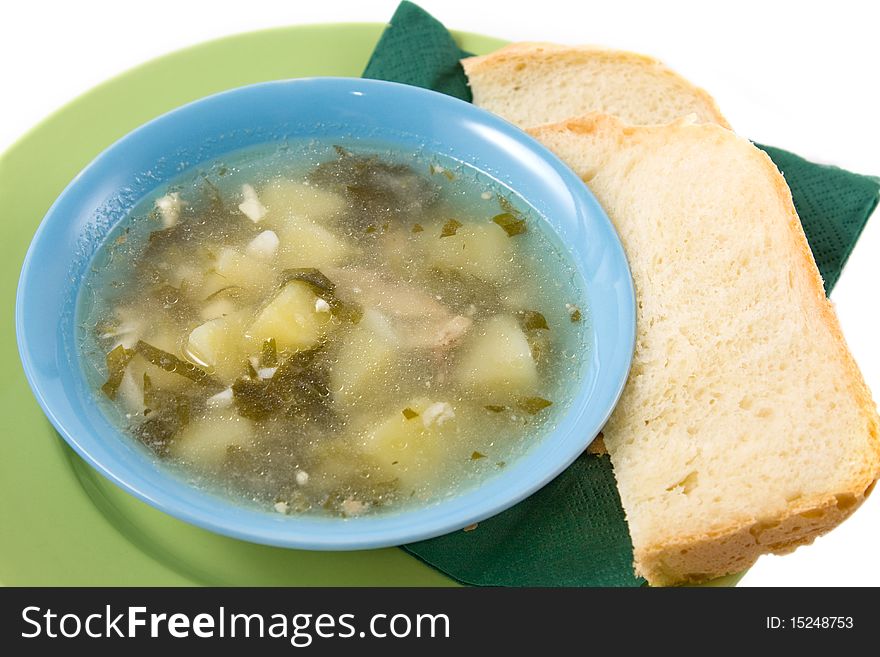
833 205
416 49
573 531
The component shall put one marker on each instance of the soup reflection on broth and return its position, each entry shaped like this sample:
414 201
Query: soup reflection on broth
333 330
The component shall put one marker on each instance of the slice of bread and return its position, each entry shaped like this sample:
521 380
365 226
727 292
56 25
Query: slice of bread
745 426
533 83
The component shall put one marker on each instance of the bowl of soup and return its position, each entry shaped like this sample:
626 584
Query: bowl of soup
327 314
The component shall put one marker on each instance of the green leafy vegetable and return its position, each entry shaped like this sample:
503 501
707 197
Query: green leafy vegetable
462 290
534 405
117 361
252 372
168 412
149 393
511 224
297 384
574 313
375 189
208 207
171 363
409 413
314 277
160 240
373 494
535 326
539 344
450 228
477 455
417 228
203 215
164 402
348 311
326 289
231 291
157 432
252 401
494 408
269 354
531 320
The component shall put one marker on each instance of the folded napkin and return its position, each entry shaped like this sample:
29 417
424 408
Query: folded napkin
573 531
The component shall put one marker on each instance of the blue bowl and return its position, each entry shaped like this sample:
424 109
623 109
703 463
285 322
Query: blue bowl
146 159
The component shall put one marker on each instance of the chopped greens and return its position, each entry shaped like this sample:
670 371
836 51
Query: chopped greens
117 361
251 370
450 228
231 291
157 432
308 339
531 320
534 405
511 225
318 282
269 354
535 326
166 413
375 188
171 363
355 498
325 289
295 386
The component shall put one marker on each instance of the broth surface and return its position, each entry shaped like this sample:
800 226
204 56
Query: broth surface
334 329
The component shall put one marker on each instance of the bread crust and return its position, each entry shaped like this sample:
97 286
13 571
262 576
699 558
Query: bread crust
702 557
566 56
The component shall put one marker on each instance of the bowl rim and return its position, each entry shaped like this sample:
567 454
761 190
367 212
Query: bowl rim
358 534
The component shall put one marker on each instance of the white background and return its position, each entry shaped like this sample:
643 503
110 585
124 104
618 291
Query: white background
799 75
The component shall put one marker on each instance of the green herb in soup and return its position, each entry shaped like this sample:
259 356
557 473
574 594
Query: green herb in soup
331 331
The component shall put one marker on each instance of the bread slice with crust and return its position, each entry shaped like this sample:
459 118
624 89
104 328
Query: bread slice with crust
745 426
533 83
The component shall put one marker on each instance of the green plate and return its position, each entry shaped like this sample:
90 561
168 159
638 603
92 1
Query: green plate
62 523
